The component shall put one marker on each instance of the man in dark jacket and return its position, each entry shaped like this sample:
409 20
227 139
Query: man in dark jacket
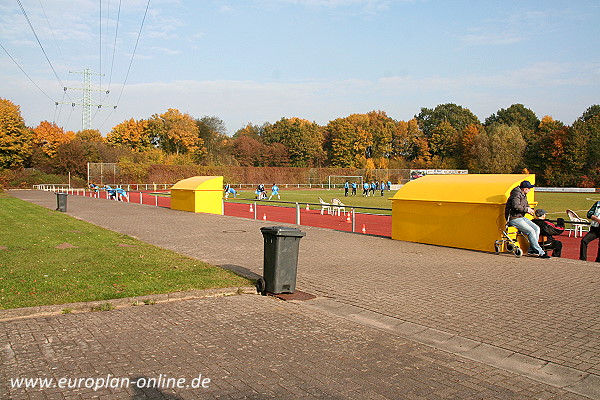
517 207
547 232
593 234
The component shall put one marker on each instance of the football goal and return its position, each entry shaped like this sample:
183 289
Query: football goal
337 181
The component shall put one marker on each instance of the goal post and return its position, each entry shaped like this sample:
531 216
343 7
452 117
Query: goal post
334 181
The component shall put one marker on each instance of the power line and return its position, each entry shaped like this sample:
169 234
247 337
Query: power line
114 46
56 118
100 43
36 85
39 42
134 50
52 32
104 95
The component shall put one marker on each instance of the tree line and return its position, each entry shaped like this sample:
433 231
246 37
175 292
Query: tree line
449 136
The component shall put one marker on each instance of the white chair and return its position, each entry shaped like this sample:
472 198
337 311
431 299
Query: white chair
577 227
338 207
325 206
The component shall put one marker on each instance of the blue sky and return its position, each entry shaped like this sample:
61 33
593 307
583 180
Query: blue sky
257 61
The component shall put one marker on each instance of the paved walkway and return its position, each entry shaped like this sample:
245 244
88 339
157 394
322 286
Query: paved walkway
392 320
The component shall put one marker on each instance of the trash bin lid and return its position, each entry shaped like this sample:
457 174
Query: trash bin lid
282 231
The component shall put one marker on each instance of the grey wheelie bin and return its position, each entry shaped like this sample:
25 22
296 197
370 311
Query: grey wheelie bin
61 202
281 245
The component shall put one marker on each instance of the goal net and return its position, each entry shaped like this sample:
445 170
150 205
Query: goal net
103 173
338 181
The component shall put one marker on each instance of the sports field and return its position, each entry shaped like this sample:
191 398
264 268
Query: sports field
555 204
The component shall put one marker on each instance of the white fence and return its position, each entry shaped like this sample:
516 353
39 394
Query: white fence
126 186
565 190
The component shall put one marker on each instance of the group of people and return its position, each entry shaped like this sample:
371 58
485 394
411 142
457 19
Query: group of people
261 192
117 193
540 232
369 189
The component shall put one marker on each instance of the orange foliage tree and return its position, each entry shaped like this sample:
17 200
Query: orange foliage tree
132 134
176 133
49 136
15 137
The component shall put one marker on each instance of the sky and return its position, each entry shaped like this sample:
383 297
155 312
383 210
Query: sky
257 61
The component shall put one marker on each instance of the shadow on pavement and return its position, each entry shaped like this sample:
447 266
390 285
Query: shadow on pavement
238 269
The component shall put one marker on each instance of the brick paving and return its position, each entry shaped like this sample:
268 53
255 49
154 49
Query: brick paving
249 347
392 320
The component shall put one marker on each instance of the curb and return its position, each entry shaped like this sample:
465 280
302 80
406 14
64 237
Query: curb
124 302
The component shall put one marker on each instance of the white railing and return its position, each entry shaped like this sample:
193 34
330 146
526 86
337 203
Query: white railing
565 190
144 186
127 186
52 187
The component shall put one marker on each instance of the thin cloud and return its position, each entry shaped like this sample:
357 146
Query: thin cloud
482 38
367 6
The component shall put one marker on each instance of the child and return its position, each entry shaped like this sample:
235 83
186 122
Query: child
274 192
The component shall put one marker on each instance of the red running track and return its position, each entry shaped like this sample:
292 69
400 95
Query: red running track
373 224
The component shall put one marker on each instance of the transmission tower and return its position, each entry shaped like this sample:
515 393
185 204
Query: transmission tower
86 102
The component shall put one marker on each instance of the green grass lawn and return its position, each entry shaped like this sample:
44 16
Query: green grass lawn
312 196
556 204
103 265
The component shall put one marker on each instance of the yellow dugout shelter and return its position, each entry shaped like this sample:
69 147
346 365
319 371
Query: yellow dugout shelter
201 194
463 211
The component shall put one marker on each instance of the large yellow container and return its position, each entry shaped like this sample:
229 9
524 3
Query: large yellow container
201 194
464 211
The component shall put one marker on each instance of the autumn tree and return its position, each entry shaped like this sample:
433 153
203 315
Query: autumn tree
132 134
72 157
549 149
466 145
302 139
15 137
457 116
49 136
519 115
176 133
443 144
245 150
348 141
415 145
90 135
382 128
275 155
500 150
583 148
363 140
213 132
253 131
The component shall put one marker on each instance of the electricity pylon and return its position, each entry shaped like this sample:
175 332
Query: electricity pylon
86 102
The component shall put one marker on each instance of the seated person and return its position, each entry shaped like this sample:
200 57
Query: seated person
547 232
517 207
